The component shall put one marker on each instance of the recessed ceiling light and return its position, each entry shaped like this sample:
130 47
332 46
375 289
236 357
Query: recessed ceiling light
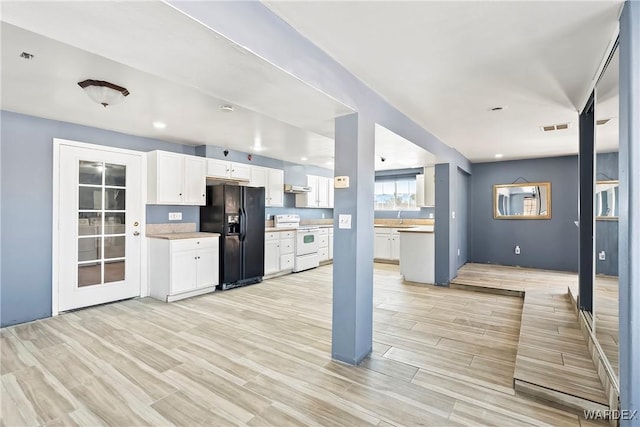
499 156
227 108
304 159
159 125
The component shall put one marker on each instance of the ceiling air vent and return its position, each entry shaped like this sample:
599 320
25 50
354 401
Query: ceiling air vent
603 121
560 126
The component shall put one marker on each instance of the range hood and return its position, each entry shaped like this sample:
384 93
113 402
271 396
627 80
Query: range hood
290 188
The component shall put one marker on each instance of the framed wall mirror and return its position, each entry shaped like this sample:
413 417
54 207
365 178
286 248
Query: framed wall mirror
606 200
527 200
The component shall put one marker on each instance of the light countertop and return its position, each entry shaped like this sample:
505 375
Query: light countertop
272 229
178 236
423 229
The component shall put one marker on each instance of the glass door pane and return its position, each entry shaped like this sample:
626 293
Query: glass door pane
101 223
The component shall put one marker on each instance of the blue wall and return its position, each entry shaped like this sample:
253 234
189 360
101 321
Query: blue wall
548 244
27 196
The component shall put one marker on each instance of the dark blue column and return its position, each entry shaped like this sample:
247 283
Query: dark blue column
352 335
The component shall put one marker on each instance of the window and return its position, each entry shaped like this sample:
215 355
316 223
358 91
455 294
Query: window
397 193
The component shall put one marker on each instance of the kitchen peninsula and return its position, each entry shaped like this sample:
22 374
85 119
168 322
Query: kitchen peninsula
417 254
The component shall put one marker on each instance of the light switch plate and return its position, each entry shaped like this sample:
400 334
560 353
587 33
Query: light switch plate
175 216
344 221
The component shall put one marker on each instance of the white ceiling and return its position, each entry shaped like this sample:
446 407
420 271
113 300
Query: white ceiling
180 83
442 63
446 63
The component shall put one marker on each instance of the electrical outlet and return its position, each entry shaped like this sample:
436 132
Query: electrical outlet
517 250
602 256
175 216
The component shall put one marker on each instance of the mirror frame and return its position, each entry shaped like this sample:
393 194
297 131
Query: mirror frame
546 184
605 218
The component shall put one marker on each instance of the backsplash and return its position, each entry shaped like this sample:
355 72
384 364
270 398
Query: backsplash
159 214
166 228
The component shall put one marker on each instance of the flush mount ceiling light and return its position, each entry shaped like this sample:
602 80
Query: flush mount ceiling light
102 92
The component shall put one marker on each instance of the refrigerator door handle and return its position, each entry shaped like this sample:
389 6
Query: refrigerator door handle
243 224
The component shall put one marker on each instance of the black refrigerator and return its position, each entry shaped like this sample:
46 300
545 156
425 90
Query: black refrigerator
237 213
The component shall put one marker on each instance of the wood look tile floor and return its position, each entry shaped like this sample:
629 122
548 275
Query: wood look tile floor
260 356
552 354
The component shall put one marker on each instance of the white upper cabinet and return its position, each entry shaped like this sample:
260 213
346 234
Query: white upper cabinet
175 179
218 168
275 187
223 169
258 176
195 182
240 171
320 196
426 187
273 182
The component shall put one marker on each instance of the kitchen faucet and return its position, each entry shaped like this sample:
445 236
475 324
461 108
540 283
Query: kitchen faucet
399 212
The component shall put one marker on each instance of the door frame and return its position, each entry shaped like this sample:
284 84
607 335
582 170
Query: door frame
55 259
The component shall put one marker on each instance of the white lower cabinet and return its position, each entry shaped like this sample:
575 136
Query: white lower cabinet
325 244
386 244
271 256
183 267
278 251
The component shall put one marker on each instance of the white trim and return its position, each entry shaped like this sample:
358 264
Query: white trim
607 53
57 143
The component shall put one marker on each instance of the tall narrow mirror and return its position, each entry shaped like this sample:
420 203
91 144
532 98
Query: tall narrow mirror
605 295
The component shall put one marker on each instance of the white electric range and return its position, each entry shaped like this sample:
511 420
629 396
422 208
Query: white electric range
306 246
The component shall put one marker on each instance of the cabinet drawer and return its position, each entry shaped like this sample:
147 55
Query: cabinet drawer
286 261
323 230
191 244
272 235
383 231
287 234
323 240
323 254
286 246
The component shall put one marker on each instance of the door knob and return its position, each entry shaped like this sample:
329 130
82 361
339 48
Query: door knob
136 233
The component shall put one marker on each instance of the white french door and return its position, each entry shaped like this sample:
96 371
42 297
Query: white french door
99 226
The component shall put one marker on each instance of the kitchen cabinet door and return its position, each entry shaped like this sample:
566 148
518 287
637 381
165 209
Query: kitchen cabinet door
169 178
217 168
271 256
323 192
240 171
207 270
395 245
258 177
195 182
183 271
382 246
275 189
